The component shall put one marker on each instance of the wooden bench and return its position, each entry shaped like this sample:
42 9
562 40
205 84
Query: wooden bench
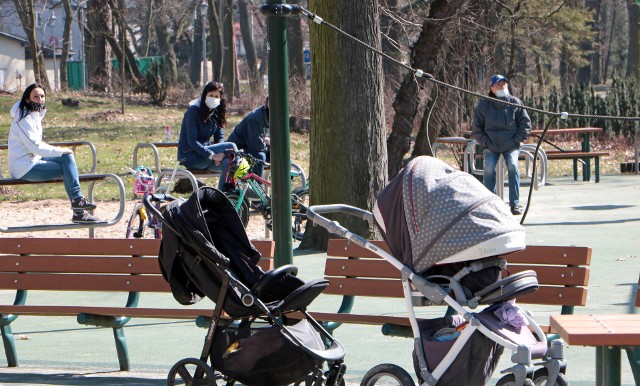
579 155
352 271
90 265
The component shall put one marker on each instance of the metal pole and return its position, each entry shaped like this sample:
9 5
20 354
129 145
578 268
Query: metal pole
279 127
205 65
53 49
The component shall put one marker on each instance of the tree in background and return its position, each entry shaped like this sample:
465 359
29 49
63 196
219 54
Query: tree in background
295 45
633 63
28 19
347 143
98 51
246 24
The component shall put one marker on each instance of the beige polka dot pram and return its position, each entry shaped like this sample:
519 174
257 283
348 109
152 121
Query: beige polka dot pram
445 231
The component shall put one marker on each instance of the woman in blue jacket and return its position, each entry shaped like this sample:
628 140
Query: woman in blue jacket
200 144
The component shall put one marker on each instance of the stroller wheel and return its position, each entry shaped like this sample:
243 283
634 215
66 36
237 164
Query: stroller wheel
387 374
510 380
541 375
191 371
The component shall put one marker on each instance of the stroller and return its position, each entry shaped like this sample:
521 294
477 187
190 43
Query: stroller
205 252
445 231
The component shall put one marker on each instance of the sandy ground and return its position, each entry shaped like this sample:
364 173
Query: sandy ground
22 213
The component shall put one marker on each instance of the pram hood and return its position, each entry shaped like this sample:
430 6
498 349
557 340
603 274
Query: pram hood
193 262
432 214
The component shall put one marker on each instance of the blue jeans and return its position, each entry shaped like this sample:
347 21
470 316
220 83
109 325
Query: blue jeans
489 176
207 164
53 167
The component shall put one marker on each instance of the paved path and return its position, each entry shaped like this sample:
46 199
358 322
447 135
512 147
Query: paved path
604 216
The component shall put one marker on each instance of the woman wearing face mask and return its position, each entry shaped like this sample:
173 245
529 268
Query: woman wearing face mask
500 128
32 159
200 144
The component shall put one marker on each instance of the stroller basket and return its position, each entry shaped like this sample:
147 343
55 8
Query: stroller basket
472 366
265 356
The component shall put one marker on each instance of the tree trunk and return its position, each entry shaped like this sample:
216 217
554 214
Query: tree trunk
28 20
297 72
165 43
633 61
66 44
229 57
424 57
348 153
249 46
215 39
98 51
596 57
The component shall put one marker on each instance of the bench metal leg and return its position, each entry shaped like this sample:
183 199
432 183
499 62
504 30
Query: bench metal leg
121 349
9 346
575 169
597 163
607 365
633 353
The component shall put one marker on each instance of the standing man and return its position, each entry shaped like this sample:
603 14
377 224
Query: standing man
252 135
500 128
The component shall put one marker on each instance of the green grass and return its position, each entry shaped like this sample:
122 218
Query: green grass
99 121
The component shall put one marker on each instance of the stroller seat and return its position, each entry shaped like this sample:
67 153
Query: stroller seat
275 287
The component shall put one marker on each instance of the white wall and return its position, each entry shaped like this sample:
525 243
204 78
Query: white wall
11 65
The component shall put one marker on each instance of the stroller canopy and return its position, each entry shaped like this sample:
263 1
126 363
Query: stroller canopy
433 214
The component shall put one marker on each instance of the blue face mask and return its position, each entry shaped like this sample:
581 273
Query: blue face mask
502 93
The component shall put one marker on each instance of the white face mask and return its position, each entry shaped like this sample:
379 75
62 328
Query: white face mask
212 102
502 93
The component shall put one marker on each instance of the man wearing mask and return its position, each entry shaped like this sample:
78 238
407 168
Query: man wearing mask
500 129
252 135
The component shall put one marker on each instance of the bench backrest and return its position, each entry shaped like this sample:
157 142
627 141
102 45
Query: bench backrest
129 265
563 272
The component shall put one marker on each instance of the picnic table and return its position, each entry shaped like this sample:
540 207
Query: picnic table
607 333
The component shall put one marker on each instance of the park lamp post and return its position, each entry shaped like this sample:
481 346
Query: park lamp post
203 13
52 22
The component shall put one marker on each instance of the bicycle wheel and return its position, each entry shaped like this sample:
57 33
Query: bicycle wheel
242 209
299 204
137 223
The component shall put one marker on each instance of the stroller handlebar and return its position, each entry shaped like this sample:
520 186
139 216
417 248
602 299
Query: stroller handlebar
313 214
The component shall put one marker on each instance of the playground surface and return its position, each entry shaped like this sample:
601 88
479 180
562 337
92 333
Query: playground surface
603 216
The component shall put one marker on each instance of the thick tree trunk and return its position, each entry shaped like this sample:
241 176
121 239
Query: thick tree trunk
165 41
297 71
390 44
249 46
98 50
424 57
195 59
348 152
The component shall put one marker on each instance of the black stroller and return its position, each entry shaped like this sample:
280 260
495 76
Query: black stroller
445 231
206 252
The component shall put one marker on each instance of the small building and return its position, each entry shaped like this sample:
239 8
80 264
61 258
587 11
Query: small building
12 62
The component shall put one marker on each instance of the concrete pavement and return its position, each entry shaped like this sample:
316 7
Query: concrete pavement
604 216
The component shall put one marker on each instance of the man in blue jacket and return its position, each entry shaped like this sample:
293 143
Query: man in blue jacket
500 128
252 135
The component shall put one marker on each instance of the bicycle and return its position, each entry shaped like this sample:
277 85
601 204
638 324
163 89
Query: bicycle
242 181
141 221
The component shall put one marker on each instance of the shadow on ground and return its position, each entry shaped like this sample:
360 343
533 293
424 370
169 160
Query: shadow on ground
78 379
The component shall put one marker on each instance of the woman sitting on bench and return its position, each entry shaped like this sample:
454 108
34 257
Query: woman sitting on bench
204 121
32 159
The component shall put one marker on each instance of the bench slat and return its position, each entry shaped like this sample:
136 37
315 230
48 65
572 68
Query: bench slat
178 313
79 264
125 247
552 255
340 247
90 264
570 276
552 295
83 282
361 268
361 319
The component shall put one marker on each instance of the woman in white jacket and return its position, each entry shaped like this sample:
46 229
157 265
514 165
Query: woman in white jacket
32 159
